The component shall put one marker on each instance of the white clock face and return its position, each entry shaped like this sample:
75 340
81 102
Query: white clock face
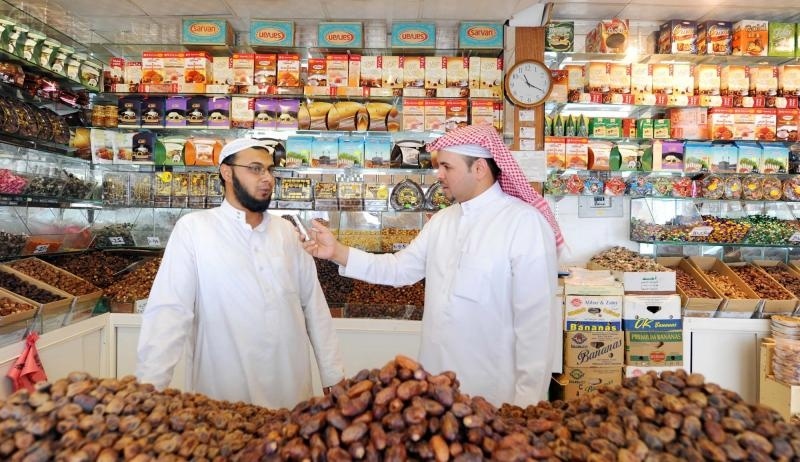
529 83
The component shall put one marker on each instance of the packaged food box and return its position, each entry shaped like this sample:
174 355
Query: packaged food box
243 68
372 71
457 72
354 71
580 381
750 38
555 150
176 111
219 108
724 158
678 37
662 78
782 39
714 37
288 70
789 80
265 69
774 158
763 80
559 36
654 348
435 72
435 114
786 121
735 80
492 76
594 349
707 79
668 155
242 112
610 36
697 157
338 69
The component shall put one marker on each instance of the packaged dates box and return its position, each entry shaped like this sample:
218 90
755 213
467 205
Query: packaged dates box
593 349
654 348
651 312
579 381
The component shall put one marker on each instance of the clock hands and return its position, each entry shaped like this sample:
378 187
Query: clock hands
530 84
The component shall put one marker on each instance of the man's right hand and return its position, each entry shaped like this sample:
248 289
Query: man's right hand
324 245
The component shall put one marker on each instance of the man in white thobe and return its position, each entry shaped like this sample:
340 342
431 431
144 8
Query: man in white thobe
237 283
490 268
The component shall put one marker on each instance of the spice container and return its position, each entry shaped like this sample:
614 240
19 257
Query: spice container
115 188
398 229
361 230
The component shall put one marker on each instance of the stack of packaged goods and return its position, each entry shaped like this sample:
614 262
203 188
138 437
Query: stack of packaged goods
593 338
651 311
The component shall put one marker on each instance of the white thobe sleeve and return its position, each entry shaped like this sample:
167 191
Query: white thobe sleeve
319 323
394 269
169 314
533 284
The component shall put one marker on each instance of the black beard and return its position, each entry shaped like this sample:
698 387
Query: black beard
248 201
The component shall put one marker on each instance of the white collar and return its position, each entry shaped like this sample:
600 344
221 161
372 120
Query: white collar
479 202
240 217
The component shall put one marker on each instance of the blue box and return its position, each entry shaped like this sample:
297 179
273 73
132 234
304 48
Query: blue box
271 33
474 34
340 35
413 35
207 32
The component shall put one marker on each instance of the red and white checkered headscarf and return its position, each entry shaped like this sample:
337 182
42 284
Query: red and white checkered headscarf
512 181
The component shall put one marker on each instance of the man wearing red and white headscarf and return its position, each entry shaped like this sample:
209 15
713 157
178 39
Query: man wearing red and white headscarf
490 267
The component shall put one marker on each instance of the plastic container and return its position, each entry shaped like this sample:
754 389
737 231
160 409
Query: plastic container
48 52
398 229
361 230
116 188
13 233
32 47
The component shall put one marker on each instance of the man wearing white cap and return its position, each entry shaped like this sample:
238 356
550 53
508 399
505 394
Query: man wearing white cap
237 283
490 269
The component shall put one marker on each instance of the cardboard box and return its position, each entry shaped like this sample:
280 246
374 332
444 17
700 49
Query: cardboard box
577 153
593 308
721 123
371 71
678 37
786 124
789 80
781 39
555 150
559 36
338 68
435 72
697 157
392 76
648 348
707 79
265 69
773 393
271 33
222 71
714 38
770 306
414 114
749 157
645 282
492 77
581 381
340 35
288 70
435 114
651 312
735 80
457 72
610 36
735 308
213 32
478 34
354 71
482 112
594 349
243 68
668 155
688 123
696 307
414 72
661 75
638 371
413 34
724 158
763 80
750 38
592 326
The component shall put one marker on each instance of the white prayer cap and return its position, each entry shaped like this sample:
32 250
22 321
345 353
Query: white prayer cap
239 145
472 150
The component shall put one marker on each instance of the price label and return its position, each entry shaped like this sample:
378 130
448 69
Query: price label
153 241
399 246
795 238
116 240
701 231
41 248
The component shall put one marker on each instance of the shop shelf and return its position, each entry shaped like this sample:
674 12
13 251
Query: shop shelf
557 59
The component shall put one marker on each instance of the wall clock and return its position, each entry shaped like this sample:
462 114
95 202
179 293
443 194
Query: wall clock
528 83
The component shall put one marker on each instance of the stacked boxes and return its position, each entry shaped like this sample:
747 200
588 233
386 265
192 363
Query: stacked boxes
593 338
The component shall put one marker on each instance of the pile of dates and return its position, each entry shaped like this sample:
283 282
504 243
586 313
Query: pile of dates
398 412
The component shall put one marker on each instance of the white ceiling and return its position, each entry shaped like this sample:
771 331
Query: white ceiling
158 21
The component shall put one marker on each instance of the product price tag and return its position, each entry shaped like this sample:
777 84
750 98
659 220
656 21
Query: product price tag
153 241
701 231
41 248
399 246
795 238
116 240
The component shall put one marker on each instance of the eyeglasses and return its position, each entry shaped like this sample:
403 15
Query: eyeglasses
256 169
